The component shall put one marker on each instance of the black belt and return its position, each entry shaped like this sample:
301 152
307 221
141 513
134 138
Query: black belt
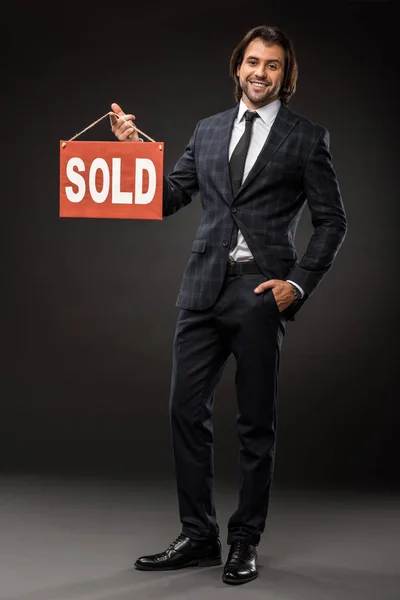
242 268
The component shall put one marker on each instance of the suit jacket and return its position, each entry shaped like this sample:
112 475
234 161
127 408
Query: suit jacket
293 167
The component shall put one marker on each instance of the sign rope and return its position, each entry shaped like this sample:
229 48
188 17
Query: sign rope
98 121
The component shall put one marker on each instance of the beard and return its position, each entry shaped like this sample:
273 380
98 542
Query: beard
262 96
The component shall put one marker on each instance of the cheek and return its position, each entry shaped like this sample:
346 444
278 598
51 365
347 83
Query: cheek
244 73
277 78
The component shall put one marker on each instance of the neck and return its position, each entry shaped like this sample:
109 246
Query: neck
253 106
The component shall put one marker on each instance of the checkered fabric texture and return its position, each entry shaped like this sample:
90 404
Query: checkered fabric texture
293 167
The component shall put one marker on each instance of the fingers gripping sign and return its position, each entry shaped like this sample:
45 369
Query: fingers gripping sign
282 291
122 124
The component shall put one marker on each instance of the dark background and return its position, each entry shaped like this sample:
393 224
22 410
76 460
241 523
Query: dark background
89 305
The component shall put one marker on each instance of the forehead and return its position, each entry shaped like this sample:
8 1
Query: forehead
259 49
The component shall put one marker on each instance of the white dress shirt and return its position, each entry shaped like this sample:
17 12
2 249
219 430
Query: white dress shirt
261 128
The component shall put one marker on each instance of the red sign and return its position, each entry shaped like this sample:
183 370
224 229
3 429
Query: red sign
111 180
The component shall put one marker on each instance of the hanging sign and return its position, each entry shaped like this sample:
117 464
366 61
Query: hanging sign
111 180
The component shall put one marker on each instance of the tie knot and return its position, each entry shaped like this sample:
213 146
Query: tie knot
250 115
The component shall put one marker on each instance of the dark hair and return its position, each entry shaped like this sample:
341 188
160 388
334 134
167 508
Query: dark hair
270 36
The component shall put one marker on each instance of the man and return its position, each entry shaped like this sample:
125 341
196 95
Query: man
255 166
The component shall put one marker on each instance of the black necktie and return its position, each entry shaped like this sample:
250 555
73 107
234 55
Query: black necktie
237 162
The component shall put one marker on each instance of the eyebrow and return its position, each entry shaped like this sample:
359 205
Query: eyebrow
270 60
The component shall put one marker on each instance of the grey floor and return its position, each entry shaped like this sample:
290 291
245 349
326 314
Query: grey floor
76 539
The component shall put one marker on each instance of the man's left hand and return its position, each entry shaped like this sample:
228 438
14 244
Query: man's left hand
282 291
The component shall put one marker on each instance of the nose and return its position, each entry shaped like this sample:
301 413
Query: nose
260 71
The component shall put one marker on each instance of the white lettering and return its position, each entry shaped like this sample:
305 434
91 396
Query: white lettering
99 196
144 164
118 197
75 178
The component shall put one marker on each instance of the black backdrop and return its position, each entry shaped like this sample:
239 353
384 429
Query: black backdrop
89 305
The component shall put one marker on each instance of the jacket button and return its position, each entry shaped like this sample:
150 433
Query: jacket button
225 243
233 210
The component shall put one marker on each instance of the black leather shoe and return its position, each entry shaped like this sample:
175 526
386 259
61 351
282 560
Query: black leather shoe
183 552
241 565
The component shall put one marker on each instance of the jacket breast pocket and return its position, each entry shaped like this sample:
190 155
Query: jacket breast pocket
199 246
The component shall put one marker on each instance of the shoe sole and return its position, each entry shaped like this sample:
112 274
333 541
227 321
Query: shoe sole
239 581
204 562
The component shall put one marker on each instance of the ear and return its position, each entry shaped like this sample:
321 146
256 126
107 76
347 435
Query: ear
238 70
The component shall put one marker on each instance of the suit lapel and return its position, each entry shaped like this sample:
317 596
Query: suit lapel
224 138
284 122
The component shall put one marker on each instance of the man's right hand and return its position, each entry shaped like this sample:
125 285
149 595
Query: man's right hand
122 125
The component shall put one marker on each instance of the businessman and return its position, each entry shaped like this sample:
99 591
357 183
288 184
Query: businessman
255 166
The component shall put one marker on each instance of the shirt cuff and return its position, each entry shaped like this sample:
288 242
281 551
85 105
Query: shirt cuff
298 287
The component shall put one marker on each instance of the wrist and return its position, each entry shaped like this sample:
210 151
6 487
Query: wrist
296 292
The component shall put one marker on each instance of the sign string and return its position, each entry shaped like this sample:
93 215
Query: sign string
98 121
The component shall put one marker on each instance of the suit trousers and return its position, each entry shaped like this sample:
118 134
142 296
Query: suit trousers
249 326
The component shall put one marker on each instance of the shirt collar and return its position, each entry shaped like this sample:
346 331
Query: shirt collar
267 112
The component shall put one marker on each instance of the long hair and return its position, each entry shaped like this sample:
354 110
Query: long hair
270 36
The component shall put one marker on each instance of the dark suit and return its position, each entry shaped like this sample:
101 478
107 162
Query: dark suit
221 314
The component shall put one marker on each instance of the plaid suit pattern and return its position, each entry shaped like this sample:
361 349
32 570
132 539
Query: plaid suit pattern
293 167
